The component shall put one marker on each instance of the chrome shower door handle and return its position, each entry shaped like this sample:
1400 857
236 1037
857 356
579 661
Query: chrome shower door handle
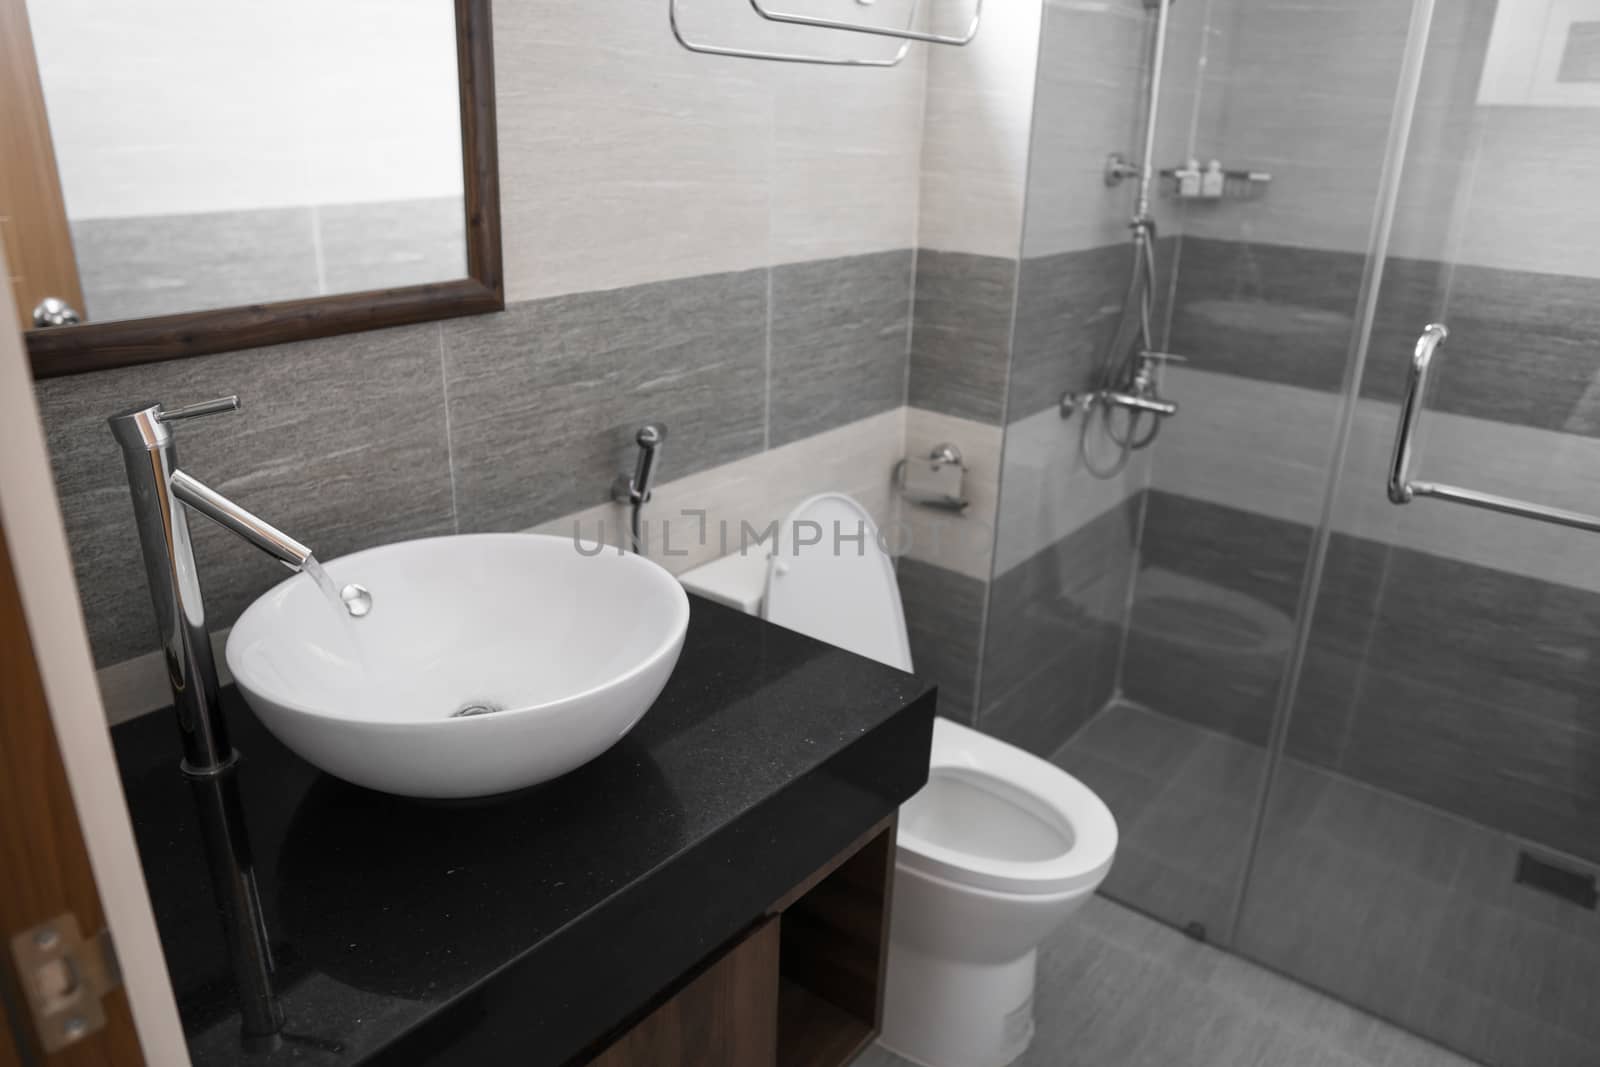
1400 487
1402 490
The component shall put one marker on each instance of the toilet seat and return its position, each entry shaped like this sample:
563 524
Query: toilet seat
997 818
829 578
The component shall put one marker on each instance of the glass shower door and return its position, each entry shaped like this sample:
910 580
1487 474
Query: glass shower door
1432 831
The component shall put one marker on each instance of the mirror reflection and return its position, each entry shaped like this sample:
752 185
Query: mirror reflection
218 153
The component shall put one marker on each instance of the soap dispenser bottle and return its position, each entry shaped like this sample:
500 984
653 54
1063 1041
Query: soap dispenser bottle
1212 180
1189 179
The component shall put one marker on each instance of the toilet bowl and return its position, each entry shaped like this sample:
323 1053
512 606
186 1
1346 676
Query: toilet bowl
992 854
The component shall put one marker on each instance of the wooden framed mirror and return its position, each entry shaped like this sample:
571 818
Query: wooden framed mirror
293 178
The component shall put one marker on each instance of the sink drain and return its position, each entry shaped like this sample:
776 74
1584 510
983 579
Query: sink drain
475 708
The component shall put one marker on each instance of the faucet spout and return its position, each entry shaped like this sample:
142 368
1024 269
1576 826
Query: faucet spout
225 513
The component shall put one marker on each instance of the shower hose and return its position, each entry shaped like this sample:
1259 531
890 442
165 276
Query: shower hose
1127 430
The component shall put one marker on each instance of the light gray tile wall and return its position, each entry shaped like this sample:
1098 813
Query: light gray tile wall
382 246
1306 90
1089 101
495 422
169 264
1303 90
961 541
847 148
1048 492
158 265
975 137
626 159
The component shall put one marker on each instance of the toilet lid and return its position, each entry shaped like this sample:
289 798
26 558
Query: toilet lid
829 578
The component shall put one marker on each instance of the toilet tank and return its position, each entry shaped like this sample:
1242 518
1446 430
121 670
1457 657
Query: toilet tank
827 576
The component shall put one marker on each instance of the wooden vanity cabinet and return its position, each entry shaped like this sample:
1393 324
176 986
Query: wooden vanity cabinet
802 988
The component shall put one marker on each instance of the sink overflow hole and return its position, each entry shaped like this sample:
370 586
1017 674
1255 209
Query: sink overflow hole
475 708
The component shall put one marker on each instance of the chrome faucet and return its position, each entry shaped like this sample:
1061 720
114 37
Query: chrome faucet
159 487
162 497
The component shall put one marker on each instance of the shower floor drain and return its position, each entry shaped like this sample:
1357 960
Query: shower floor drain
477 707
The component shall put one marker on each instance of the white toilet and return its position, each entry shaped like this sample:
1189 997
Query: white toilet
994 852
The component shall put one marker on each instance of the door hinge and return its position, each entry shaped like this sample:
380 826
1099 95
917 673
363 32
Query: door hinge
63 976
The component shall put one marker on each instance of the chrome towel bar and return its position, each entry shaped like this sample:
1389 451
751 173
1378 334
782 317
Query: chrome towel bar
904 36
908 34
1402 490
674 19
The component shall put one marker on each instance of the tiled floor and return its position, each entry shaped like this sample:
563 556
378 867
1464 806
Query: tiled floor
1390 905
1117 989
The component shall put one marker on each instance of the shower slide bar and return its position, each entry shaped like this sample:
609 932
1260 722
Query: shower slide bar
905 36
1402 490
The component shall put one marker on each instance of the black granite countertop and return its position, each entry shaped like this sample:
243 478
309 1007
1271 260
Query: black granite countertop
522 929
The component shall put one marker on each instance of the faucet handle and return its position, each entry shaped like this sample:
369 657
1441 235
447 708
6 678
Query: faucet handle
205 407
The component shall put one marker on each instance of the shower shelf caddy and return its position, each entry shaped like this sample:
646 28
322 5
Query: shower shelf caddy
1236 185
906 36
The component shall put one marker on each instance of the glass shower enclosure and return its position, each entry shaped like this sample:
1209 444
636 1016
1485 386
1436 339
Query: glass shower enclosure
1354 740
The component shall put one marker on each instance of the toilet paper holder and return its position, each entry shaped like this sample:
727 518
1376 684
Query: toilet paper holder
935 481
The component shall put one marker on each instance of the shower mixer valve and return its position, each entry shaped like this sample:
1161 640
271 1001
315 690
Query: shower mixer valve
1139 394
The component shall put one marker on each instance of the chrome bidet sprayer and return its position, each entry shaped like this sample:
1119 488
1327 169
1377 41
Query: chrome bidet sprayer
635 491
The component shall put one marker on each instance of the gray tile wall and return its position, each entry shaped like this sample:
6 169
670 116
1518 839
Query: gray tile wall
838 320
1054 632
1069 305
341 442
488 423
1273 312
1196 649
1465 688
961 334
1521 346
1050 648
944 620
545 399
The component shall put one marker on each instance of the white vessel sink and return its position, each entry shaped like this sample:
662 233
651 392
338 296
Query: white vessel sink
566 652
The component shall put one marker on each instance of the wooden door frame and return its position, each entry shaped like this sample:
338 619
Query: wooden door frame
66 799
37 233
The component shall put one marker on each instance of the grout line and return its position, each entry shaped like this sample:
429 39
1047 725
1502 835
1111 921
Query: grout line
911 327
449 436
316 250
766 396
